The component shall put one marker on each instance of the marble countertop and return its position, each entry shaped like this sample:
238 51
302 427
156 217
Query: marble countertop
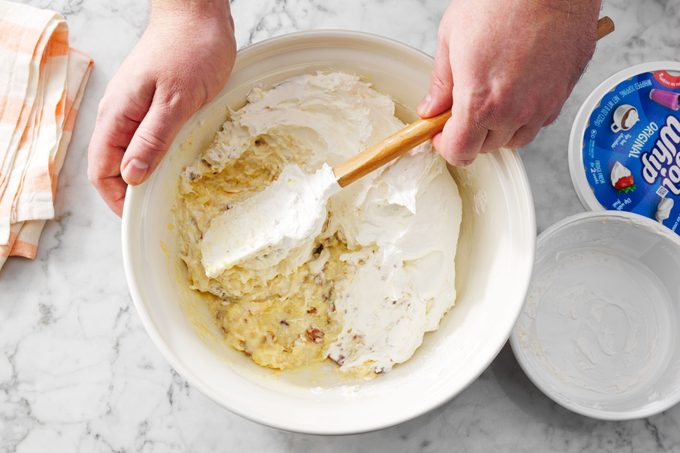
78 372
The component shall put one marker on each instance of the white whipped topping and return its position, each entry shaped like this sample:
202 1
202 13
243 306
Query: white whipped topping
663 210
404 218
619 171
596 322
265 228
412 213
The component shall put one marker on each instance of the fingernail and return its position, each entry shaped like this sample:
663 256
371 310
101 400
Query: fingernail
424 106
135 171
462 163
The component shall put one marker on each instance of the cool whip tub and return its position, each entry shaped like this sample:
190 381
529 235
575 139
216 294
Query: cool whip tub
599 330
624 150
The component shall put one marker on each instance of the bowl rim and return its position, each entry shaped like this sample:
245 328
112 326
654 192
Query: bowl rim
524 200
649 226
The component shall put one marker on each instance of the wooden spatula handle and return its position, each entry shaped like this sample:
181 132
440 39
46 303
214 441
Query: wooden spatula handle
396 144
604 26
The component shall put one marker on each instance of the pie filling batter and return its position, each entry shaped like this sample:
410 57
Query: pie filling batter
380 273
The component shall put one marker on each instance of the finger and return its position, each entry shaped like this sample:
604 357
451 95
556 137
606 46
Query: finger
496 139
439 97
112 191
117 119
153 138
523 136
461 139
552 118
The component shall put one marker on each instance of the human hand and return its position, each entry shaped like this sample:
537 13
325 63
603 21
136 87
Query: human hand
505 67
183 59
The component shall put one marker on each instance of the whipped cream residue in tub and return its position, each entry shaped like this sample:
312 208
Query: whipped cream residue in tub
382 263
606 334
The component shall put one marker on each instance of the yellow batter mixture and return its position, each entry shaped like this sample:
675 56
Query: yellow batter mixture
285 322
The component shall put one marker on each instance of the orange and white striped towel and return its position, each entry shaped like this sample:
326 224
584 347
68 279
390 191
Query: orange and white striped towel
42 81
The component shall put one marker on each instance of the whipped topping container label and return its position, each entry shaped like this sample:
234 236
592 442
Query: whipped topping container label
631 147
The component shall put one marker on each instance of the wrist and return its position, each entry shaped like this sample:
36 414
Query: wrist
190 9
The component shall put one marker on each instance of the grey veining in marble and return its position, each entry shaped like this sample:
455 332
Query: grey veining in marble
79 374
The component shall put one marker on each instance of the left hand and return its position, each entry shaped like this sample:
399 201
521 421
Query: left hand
505 67
183 59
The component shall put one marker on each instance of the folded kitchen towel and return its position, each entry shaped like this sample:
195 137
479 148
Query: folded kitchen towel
42 81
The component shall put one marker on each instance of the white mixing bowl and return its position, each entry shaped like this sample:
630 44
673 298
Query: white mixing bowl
494 261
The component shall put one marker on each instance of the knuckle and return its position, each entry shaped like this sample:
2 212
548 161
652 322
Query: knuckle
178 102
500 107
486 109
522 114
522 138
438 84
523 142
170 99
176 92
555 110
453 153
518 142
151 142
485 105
551 119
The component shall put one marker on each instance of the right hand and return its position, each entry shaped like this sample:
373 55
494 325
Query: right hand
181 62
504 68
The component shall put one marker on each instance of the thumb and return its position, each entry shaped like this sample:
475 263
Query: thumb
152 138
439 96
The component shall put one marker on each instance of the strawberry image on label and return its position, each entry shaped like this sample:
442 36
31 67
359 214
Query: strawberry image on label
624 183
622 178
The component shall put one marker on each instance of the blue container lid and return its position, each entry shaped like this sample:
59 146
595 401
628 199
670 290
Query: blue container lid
624 149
